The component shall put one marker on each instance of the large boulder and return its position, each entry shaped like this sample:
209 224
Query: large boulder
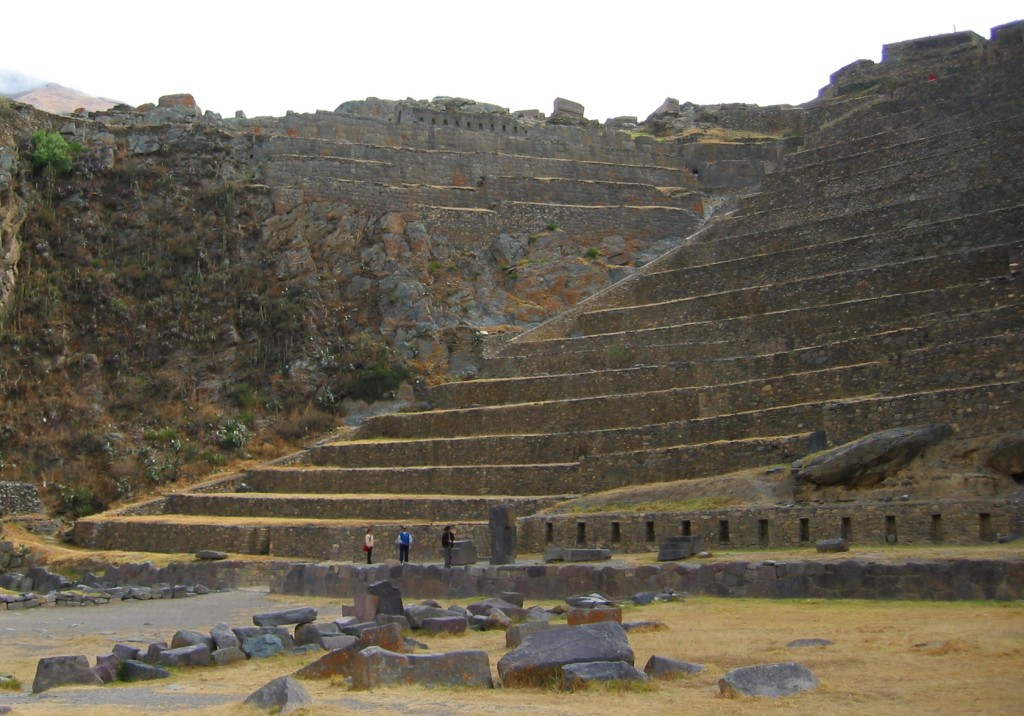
772 680
374 666
542 654
53 671
283 695
871 459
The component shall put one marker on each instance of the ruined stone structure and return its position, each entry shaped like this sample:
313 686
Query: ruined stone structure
872 281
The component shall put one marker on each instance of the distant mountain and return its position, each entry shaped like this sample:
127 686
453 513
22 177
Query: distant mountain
49 96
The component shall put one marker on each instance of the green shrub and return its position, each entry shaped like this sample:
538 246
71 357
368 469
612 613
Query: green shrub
377 382
593 252
53 154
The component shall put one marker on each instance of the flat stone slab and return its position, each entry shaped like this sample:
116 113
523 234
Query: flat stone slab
662 667
133 670
374 666
771 680
575 617
298 615
578 676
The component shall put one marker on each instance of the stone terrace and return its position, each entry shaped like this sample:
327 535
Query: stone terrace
873 281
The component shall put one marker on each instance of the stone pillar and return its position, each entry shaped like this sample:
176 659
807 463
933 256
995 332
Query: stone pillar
502 520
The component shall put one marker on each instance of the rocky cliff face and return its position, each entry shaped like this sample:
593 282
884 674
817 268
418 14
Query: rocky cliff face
201 290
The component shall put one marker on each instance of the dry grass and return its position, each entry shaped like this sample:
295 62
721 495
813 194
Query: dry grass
892 657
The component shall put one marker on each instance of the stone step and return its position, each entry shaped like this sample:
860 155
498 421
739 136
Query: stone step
764 419
485 190
911 276
460 168
778 264
739 235
924 369
590 372
776 331
931 148
467 480
900 125
952 170
367 507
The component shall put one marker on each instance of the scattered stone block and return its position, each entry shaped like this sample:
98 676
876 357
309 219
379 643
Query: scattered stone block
262 646
453 624
463 553
54 671
772 680
211 555
364 607
374 666
193 655
576 617
124 652
227 655
539 659
515 634
832 545
153 652
314 632
389 596
798 643
223 637
417 613
512 598
578 676
298 615
283 695
662 667
645 626
398 619
133 670
336 662
106 668
679 548
329 643
190 638
485 606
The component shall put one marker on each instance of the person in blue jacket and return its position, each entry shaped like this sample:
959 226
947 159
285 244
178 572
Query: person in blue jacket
404 542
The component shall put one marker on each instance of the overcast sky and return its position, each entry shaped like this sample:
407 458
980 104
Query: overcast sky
617 59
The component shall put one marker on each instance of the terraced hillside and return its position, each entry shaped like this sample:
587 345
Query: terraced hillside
874 281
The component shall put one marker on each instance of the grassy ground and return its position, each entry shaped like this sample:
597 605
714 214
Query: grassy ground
892 657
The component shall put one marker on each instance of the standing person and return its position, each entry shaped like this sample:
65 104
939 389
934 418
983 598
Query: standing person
404 541
368 545
447 543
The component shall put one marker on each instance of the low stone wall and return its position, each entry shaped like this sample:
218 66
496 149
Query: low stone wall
842 579
961 522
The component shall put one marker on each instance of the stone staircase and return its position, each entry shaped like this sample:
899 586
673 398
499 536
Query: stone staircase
874 281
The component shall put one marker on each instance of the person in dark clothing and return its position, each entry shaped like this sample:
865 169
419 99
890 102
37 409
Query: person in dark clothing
447 543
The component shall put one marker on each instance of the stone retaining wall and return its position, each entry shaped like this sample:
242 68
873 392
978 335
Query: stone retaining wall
842 579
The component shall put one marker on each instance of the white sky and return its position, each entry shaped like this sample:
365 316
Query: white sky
615 59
